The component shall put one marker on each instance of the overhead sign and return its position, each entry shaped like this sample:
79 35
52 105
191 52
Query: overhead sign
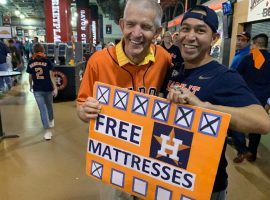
84 25
57 15
6 20
108 29
227 8
93 32
5 32
258 10
153 149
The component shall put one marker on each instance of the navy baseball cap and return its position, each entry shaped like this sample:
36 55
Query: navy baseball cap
210 17
245 35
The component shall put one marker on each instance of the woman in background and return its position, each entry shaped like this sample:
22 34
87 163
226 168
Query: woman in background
42 83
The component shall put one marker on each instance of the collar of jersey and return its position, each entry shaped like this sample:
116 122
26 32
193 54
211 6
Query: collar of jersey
123 59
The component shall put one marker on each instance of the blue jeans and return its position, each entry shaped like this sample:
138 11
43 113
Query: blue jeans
239 140
219 195
45 105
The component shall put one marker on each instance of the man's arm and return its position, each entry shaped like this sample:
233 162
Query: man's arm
55 91
248 119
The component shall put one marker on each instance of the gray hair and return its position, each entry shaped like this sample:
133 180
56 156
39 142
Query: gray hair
148 4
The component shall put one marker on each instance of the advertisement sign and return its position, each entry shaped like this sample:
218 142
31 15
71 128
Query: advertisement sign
57 15
258 10
227 8
154 149
83 27
19 31
5 32
6 20
108 29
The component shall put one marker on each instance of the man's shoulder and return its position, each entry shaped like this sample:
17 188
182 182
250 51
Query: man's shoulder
161 53
104 53
103 57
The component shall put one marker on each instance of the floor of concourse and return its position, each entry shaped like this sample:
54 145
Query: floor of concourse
32 168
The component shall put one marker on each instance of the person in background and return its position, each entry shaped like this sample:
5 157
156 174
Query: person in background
157 40
16 58
134 63
242 48
110 44
98 46
206 83
175 39
34 41
27 49
42 83
215 50
4 81
177 59
255 69
19 45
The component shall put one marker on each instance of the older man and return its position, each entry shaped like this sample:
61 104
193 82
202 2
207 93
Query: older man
134 63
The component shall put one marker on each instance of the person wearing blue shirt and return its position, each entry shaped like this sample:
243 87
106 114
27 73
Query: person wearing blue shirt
205 83
242 49
257 76
4 50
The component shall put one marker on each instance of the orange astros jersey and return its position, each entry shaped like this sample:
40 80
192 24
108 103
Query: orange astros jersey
103 67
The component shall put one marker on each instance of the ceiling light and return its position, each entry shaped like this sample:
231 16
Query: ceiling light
17 13
3 2
22 16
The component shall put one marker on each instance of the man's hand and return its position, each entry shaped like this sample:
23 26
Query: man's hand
89 109
184 96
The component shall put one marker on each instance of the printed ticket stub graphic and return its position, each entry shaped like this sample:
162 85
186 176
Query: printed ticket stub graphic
154 149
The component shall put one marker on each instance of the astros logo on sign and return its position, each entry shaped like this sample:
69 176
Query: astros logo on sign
171 145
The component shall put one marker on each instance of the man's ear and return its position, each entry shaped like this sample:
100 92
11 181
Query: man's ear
215 38
121 24
158 31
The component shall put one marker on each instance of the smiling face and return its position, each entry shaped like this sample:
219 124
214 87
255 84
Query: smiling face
139 29
195 38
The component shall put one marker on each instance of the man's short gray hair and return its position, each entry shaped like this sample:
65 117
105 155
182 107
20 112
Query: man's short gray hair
148 4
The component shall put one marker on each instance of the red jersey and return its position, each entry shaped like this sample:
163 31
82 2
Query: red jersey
103 66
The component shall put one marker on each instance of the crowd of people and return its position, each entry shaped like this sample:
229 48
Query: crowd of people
13 55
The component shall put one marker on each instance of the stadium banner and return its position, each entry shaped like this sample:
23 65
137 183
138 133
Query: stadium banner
154 149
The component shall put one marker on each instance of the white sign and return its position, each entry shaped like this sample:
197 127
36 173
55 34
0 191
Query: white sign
94 32
258 10
56 21
84 23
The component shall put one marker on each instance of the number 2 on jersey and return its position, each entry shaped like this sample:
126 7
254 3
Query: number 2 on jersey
39 73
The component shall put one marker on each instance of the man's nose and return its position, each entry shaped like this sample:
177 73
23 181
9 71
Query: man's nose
191 34
137 31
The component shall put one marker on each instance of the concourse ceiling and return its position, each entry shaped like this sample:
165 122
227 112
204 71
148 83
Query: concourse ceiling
112 8
29 8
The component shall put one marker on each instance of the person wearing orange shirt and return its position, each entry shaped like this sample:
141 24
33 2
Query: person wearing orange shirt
134 63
